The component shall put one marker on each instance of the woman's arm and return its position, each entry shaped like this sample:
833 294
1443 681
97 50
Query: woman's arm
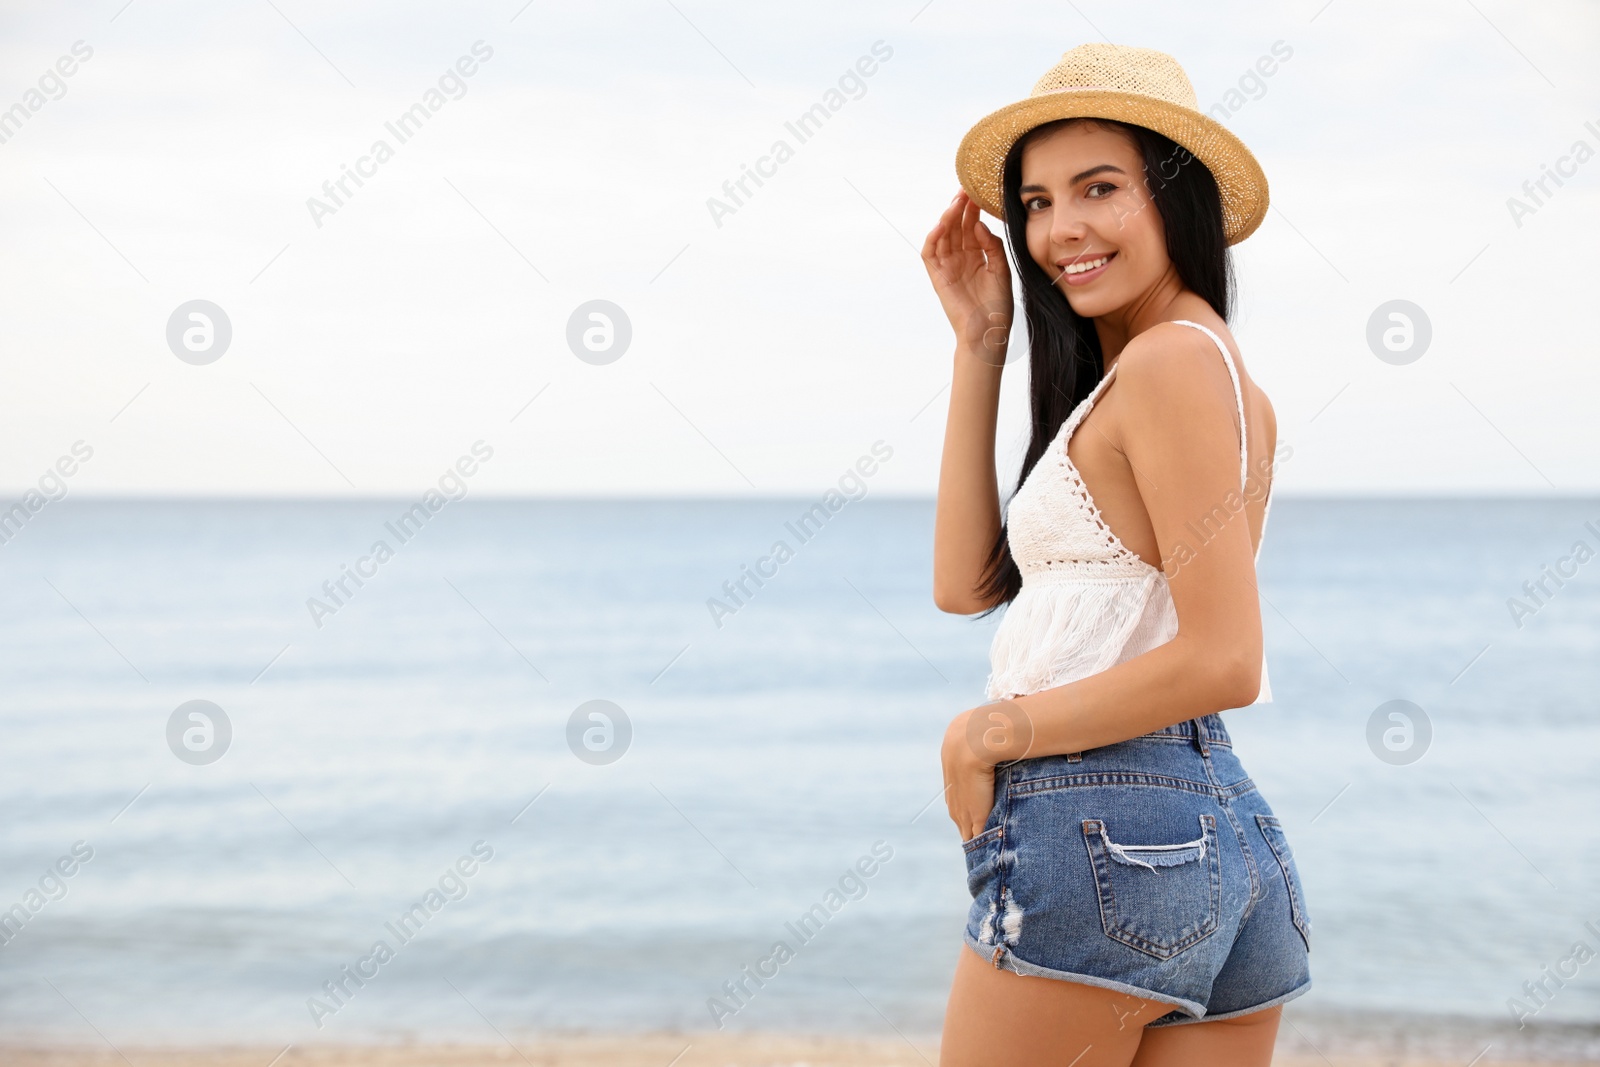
967 265
1179 434
967 513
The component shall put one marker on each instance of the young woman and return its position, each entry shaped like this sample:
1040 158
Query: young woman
1135 900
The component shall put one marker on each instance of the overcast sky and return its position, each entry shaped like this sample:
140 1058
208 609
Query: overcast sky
375 339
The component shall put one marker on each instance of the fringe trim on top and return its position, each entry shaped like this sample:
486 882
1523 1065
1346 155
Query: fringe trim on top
1053 634
1065 627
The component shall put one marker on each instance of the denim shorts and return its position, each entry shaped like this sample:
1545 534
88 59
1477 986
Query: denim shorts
1152 866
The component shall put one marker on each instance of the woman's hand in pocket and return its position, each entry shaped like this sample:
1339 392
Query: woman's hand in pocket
968 779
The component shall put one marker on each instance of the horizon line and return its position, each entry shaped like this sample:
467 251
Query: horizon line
531 497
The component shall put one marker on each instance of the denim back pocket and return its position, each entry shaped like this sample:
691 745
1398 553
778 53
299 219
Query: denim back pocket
1159 899
1272 830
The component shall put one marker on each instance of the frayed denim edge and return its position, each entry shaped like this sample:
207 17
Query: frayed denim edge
1017 966
1305 987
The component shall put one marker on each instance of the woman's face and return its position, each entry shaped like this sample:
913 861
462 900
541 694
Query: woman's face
1091 224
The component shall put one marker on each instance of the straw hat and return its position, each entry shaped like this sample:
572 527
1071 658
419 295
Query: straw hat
1139 86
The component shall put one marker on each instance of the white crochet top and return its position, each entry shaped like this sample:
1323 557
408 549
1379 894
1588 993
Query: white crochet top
1087 602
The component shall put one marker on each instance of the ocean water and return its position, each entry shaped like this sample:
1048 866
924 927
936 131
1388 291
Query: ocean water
418 729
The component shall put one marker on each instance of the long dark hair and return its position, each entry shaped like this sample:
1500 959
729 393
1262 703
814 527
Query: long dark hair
1064 357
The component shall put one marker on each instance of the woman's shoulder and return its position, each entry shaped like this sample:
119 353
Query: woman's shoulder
1171 358
1172 368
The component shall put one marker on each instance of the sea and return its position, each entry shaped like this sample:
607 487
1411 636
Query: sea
556 766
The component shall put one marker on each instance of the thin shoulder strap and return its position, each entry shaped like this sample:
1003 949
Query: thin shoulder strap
1244 447
1238 396
1081 412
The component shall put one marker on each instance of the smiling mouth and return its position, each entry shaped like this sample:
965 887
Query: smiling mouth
1087 265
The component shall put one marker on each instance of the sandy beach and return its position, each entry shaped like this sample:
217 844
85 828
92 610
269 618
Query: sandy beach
711 1050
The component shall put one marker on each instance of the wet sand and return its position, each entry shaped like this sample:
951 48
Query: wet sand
665 1050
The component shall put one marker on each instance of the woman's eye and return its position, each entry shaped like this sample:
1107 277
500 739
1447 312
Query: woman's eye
1107 186
1035 203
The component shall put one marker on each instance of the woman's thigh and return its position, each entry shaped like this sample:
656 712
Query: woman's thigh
998 1016
1242 1041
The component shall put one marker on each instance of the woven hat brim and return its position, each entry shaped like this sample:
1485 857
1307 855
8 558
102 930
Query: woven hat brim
980 159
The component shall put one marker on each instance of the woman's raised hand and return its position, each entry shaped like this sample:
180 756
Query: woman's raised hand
967 264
